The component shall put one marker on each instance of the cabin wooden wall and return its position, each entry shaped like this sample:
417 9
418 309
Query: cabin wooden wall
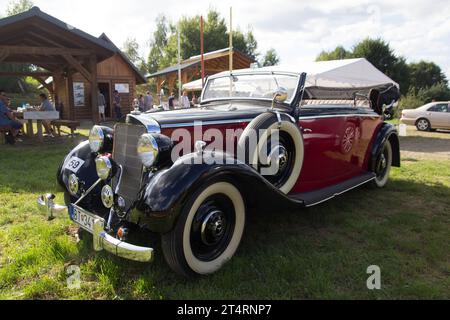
112 71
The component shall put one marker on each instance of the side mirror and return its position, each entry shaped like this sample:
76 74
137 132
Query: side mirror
280 95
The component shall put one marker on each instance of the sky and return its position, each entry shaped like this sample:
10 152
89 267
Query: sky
298 30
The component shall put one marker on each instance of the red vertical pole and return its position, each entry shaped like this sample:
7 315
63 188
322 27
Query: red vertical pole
202 49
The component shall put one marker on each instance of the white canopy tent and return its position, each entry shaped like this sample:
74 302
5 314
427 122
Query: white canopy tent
193 86
347 73
327 78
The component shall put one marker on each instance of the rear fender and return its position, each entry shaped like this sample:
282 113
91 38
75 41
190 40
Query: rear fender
389 133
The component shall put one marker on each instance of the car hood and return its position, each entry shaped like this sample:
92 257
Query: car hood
219 112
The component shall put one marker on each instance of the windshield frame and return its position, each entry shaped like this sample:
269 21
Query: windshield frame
251 73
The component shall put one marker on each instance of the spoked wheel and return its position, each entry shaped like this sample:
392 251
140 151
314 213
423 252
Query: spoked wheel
383 166
208 231
423 125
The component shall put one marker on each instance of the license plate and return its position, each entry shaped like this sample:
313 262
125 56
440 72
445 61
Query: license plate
85 219
74 164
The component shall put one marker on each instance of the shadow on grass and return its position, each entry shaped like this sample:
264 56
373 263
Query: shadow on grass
311 253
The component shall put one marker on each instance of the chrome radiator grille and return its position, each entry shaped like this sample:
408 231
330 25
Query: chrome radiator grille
125 154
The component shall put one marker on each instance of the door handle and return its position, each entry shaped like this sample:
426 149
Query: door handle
306 130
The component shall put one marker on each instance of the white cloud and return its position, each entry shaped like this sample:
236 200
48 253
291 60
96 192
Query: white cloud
298 30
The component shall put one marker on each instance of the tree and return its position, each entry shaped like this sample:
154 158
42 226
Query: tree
16 7
438 92
270 58
337 54
426 74
378 52
131 50
157 44
164 45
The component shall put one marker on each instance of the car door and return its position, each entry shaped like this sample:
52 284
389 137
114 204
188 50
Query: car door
447 115
438 115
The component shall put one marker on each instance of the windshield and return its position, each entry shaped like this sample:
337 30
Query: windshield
250 86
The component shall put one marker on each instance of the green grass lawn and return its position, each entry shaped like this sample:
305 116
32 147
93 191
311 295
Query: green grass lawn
322 252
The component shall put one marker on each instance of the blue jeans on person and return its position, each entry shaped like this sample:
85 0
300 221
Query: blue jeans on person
12 123
118 113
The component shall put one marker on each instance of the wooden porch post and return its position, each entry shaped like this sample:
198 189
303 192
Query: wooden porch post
94 87
158 89
69 86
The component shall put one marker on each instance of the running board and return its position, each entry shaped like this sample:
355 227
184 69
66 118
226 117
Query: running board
313 198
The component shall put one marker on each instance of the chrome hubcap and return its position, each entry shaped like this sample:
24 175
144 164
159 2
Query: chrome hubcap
423 125
279 155
213 227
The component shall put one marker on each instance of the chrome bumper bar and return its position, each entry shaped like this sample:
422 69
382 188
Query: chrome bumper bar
101 240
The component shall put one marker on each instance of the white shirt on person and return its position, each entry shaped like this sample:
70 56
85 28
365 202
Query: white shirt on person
185 103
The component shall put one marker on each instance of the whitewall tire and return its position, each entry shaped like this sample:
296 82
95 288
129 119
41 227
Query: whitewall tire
291 140
383 166
208 231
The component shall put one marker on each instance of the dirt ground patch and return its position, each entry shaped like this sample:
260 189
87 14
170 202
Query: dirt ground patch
426 145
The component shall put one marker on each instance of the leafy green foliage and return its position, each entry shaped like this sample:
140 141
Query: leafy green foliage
19 6
271 58
164 44
425 74
131 50
337 54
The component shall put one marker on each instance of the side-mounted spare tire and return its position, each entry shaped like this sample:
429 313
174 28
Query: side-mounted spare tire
288 153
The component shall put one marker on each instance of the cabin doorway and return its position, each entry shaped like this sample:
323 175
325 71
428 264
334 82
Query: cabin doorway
105 89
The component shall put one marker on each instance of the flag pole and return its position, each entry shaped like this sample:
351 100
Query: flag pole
179 67
202 49
231 50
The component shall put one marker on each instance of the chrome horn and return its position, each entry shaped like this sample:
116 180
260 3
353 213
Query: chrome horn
279 96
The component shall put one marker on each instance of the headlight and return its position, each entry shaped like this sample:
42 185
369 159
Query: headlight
147 149
96 139
107 196
74 185
104 167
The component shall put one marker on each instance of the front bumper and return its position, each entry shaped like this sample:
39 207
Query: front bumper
101 239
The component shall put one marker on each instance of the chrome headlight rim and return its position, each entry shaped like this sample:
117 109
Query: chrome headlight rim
96 138
103 167
73 185
148 150
107 196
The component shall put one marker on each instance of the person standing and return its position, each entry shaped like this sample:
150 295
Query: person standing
194 100
141 103
117 109
171 101
101 106
148 101
185 103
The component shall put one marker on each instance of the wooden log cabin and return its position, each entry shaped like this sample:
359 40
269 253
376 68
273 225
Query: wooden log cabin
79 64
215 62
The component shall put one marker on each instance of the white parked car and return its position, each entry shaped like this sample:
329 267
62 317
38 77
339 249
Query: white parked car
435 115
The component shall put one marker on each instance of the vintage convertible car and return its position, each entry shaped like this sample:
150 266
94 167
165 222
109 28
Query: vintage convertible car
170 173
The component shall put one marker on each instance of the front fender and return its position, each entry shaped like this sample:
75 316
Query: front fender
386 132
169 190
87 174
